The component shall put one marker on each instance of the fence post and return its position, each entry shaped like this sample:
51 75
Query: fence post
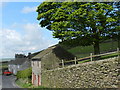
62 63
91 56
75 60
118 52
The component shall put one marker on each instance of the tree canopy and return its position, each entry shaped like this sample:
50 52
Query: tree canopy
79 23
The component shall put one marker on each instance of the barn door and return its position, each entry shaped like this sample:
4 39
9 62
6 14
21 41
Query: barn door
39 81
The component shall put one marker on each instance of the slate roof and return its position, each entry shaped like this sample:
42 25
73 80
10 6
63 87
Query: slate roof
18 61
10 62
58 51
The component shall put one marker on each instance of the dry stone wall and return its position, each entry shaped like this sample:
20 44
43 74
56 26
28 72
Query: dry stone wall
95 74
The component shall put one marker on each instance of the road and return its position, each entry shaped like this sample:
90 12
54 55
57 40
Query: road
9 81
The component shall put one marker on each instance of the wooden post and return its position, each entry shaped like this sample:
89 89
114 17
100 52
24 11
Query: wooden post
75 61
118 53
91 56
62 63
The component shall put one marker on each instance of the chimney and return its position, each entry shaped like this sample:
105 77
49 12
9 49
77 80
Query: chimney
29 55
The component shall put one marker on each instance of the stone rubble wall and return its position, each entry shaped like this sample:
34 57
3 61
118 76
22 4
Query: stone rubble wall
95 74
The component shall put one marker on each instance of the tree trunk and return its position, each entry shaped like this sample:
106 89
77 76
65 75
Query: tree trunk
118 43
96 47
119 40
96 41
96 50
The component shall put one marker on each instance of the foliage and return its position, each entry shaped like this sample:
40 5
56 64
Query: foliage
84 23
27 73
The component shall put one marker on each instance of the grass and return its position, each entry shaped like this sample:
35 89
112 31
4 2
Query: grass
102 57
26 85
84 51
88 60
109 56
81 52
4 66
40 87
105 47
23 85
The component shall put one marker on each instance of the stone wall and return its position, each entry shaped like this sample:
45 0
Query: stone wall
100 74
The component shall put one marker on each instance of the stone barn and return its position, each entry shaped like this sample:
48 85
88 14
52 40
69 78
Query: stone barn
48 59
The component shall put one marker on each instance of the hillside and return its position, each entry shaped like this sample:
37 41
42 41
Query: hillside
81 51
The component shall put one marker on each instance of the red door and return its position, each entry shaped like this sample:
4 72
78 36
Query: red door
38 80
34 78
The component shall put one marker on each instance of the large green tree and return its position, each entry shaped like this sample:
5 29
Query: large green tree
84 23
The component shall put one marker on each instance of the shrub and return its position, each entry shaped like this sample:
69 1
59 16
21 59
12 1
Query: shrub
27 73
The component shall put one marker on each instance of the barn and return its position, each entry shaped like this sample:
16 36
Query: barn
48 59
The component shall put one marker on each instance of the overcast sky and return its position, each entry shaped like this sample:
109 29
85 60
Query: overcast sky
20 32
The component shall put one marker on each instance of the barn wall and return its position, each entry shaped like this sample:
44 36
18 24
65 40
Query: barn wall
50 61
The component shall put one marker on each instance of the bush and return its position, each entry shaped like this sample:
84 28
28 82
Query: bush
27 73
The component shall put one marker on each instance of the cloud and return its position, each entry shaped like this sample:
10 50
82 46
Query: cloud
32 39
29 9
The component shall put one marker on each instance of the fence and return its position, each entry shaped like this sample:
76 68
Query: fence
90 58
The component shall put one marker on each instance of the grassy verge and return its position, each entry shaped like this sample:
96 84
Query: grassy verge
88 60
26 85
41 87
109 56
23 85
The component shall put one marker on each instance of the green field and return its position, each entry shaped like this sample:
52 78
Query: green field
4 64
83 51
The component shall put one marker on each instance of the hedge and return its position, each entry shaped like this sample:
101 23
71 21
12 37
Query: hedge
27 73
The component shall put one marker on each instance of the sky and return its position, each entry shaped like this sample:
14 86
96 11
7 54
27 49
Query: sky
20 31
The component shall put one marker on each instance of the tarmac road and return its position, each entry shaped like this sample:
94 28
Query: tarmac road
8 81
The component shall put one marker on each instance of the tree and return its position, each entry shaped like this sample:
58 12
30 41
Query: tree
115 34
86 23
